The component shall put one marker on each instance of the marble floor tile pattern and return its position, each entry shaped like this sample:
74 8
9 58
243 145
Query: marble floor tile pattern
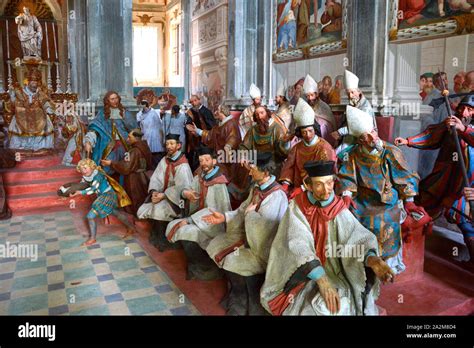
113 277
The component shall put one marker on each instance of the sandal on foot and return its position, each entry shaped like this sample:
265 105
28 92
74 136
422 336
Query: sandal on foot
130 232
89 242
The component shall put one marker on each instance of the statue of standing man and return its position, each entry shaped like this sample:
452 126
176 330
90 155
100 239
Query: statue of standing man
30 33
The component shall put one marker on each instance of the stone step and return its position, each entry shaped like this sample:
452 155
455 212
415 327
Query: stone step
39 162
11 176
38 186
35 201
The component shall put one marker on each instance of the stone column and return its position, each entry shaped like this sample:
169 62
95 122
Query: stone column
2 73
250 49
456 55
186 46
63 46
109 31
235 68
367 44
404 100
407 72
78 49
266 46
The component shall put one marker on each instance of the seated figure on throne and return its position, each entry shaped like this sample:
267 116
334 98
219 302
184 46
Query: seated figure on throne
106 138
31 128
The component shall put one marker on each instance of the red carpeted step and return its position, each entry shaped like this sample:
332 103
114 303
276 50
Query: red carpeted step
38 186
27 202
39 162
26 174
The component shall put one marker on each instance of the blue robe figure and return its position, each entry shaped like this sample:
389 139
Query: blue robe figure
379 182
108 136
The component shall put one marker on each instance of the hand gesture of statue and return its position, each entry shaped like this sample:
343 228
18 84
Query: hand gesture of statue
191 195
215 218
329 294
250 208
381 269
192 128
157 197
469 193
336 135
401 141
453 121
288 137
88 148
106 163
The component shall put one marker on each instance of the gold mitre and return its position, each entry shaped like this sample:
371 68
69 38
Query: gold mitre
34 75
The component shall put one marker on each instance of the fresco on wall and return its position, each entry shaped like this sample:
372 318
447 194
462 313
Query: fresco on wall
306 28
426 19
417 12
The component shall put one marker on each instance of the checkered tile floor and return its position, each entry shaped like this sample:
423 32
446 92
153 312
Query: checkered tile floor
114 277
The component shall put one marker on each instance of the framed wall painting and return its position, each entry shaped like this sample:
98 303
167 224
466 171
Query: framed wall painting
306 29
416 20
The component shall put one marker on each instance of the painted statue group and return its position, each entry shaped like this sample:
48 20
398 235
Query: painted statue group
310 222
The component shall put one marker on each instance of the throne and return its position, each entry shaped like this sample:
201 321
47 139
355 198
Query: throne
22 68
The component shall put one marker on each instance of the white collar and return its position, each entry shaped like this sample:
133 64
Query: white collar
315 139
225 120
115 114
91 177
29 92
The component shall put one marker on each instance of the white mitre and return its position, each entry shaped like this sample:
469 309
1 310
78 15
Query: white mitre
351 81
310 85
255 92
359 122
303 114
281 91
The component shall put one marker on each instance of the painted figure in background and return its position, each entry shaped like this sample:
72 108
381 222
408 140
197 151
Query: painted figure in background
286 21
332 17
30 33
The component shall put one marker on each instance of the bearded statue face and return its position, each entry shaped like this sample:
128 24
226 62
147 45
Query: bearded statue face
33 85
262 119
